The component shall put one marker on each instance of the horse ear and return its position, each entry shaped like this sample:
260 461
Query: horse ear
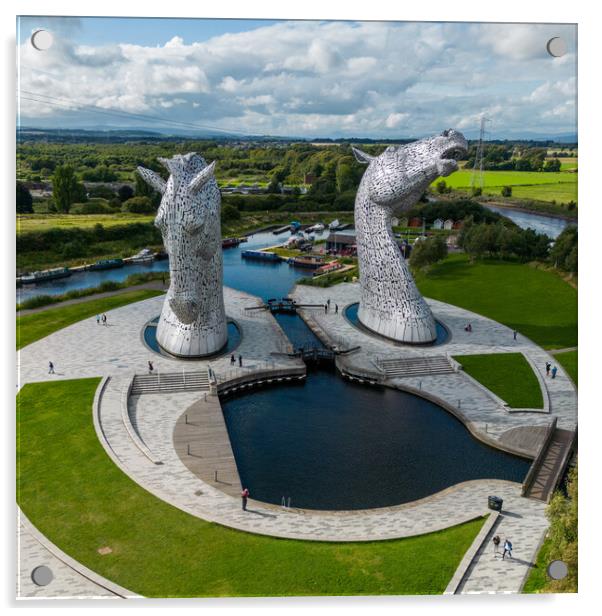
201 178
152 178
362 157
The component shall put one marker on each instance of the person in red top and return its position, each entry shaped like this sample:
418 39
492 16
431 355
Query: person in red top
245 496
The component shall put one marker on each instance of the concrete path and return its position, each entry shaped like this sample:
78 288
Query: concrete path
154 284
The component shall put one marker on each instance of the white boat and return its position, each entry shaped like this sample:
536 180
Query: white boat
318 228
334 224
144 256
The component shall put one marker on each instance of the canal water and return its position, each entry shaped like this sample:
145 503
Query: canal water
264 279
333 444
548 225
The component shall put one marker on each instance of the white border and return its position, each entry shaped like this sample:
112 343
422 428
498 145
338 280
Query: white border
582 12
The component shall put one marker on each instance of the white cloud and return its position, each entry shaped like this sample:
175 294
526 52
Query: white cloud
328 78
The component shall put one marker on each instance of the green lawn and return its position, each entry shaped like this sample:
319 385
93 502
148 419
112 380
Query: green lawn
537 303
538 576
74 494
543 186
569 362
32 327
507 375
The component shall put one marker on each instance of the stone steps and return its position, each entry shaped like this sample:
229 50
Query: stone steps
169 382
415 366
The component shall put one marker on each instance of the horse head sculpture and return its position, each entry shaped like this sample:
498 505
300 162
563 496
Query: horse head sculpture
193 321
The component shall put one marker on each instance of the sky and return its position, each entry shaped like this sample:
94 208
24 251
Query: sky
297 78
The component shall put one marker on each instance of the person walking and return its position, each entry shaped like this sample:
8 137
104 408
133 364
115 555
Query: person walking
232 359
554 371
548 366
50 368
240 360
507 549
496 546
514 334
97 319
244 495
104 319
328 302
336 309
150 367
325 308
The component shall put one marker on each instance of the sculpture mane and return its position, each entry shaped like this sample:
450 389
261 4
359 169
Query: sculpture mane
390 303
193 320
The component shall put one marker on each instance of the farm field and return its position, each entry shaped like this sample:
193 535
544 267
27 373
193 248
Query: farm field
561 186
42 222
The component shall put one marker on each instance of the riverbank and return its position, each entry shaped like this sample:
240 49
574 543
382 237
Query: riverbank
527 210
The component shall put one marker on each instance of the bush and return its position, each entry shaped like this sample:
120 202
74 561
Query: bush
507 191
139 205
24 199
101 191
93 206
229 213
441 187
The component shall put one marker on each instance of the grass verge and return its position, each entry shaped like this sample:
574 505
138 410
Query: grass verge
507 375
32 327
569 361
535 302
74 494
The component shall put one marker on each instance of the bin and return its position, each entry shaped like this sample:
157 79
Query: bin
495 503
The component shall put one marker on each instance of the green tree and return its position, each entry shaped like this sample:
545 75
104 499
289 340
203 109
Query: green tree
428 252
562 534
66 190
564 252
552 165
506 191
441 186
139 205
24 199
125 192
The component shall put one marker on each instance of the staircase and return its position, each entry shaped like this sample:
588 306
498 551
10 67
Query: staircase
550 465
169 382
415 366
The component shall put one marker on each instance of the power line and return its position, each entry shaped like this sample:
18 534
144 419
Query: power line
70 103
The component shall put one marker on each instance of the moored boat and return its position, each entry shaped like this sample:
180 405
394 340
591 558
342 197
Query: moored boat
105 264
230 242
42 276
144 256
307 261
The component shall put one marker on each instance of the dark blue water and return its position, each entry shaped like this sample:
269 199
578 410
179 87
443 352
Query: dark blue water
258 278
351 314
297 332
150 339
331 444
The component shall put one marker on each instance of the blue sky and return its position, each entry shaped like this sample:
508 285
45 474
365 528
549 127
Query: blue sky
298 78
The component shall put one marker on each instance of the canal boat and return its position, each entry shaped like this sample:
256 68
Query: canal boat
230 242
144 256
329 267
105 264
307 261
335 224
44 275
260 255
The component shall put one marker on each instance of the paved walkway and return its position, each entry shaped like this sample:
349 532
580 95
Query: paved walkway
118 351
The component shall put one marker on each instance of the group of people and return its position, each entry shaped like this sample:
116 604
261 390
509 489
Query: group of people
468 327
327 307
233 360
507 547
551 370
101 318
